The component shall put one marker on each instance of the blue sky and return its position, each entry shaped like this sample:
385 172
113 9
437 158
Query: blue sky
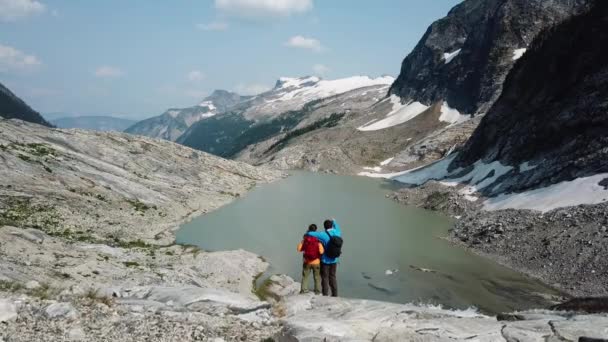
136 58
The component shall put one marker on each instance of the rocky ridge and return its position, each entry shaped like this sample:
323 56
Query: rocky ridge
12 107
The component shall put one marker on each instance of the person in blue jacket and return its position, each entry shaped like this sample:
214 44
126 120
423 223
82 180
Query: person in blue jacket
329 265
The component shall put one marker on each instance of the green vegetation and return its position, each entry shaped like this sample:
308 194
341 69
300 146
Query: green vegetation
140 206
40 150
24 157
43 292
10 286
265 130
32 153
262 291
328 122
436 200
131 263
89 194
19 211
227 135
93 296
133 244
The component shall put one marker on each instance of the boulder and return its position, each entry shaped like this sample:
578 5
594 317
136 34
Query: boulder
61 311
8 310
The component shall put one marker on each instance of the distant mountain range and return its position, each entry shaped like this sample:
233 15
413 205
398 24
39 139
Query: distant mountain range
172 123
274 112
97 123
12 107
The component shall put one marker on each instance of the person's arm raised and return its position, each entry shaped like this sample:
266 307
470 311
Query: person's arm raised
336 226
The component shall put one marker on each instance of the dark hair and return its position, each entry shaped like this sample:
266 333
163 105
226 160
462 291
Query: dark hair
312 228
328 224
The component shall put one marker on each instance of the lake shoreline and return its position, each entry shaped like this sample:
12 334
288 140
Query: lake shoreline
548 247
412 240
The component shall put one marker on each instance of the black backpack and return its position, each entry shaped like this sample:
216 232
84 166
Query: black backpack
334 246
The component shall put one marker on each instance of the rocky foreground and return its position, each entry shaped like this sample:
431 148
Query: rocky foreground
87 248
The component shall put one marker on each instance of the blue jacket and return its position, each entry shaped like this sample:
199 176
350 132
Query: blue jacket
324 238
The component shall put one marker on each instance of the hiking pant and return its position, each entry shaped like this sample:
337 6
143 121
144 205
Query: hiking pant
328 279
316 273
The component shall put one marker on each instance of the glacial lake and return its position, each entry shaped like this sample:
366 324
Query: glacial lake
379 235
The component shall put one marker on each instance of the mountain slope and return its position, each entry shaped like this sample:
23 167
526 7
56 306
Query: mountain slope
97 123
557 128
12 107
171 124
543 144
464 58
271 113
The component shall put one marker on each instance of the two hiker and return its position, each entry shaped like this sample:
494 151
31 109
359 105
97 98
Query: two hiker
321 256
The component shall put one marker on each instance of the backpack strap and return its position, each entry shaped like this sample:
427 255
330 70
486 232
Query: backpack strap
326 232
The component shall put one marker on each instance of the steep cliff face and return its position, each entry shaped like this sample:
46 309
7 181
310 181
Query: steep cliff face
464 58
553 112
12 107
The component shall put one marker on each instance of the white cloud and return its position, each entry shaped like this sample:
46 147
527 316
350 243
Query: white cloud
108 72
195 76
320 69
257 8
251 89
12 10
301 42
213 26
12 59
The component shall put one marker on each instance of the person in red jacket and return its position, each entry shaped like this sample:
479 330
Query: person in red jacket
312 249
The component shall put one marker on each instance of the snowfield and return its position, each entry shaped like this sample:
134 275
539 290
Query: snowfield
312 88
449 56
402 113
294 93
584 190
451 115
518 53
399 114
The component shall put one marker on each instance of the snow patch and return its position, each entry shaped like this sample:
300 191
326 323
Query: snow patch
391 272
421 175
526 167
451 115
518 53
375 169
207 104
386 162
174 113
399 114
479 178
449 56
288 82
585 190
326 88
